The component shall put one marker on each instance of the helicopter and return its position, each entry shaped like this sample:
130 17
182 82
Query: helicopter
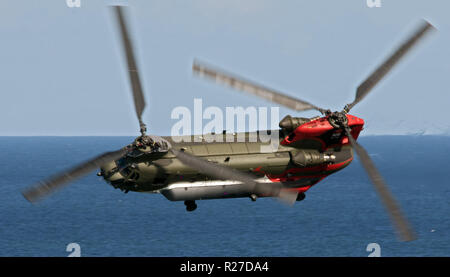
308 149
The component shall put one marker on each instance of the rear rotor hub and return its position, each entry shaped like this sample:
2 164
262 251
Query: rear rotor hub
337 119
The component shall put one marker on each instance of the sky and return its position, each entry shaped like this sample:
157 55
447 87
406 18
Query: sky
62 71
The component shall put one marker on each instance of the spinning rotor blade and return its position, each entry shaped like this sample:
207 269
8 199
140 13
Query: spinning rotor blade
136 87
227 173
45 188
401 224
384 68
238 83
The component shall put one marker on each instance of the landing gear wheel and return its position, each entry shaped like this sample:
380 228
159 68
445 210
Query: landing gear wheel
190 205
301 196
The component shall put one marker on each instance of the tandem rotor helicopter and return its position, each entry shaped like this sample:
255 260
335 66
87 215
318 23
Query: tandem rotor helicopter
309 149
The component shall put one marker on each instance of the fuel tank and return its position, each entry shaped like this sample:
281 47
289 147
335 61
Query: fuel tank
200 190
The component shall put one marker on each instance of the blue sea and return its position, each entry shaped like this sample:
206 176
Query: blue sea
339 217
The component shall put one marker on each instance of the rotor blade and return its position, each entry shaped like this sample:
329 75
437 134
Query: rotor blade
136 87
385 67
401 224
227 173
44 188
250 87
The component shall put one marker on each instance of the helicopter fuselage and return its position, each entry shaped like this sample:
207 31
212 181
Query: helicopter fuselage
303 157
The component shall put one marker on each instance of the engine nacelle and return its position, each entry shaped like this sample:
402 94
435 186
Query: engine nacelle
311 158
290 123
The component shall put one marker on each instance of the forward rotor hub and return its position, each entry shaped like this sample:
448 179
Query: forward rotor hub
150 144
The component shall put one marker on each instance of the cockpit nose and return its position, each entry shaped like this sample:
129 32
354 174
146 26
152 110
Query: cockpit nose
110 172
120 175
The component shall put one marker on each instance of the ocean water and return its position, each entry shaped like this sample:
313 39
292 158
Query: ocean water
339 217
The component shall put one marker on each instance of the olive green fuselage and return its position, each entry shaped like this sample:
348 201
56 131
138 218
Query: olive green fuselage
300 165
